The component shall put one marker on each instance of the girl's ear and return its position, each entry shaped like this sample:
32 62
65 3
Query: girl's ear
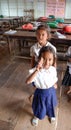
54 61
48 36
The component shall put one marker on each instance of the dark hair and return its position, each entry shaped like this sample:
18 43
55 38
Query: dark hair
44 27
47 49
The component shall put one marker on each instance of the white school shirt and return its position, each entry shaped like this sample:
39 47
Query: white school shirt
34 50
45 78
69 63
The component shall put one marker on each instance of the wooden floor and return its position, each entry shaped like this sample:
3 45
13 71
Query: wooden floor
15 108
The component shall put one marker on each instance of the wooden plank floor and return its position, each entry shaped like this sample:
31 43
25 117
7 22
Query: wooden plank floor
15 108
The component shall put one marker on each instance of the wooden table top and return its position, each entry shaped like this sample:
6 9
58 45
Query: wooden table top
21 34
32 34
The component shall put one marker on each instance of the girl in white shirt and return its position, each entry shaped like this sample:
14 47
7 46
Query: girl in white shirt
44 76
43 36
67 77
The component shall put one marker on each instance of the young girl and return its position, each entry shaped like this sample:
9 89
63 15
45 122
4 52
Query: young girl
67 77
43 35
44 76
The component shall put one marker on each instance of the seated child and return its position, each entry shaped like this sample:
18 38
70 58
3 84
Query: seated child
67 77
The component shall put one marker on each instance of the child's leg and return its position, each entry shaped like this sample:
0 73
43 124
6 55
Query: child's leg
52 119
31 96
52 105
69 91
69 94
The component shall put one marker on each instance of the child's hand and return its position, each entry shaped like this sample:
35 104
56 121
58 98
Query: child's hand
55 86
40 64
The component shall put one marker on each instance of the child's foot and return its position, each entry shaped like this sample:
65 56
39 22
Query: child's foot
51 119
35 121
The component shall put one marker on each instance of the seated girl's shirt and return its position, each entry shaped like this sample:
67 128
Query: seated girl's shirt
70 70
34 50
45 78
68 53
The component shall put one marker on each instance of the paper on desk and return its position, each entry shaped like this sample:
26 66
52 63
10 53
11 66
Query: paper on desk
10 32
59 35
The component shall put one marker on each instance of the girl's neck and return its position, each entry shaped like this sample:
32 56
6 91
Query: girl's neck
43 45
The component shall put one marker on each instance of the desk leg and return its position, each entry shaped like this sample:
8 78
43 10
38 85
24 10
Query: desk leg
9 44
20 44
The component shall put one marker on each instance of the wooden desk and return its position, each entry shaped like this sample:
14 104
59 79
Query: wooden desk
24 35
20 35
61 44
14 20
52 30
9 19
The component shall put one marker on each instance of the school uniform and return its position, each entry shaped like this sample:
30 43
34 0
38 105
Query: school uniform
45 98
67 77
34 50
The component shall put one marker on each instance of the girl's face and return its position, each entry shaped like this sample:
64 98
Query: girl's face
47 59
42 37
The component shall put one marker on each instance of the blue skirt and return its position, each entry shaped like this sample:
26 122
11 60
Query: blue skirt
44 102
67 78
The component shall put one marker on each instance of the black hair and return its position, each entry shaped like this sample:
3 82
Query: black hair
44 27
47 49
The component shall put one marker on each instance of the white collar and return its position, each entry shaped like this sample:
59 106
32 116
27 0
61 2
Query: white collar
45 70
39 46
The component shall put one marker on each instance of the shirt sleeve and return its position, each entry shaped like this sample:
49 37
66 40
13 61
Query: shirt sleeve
30 72
68 51
32 51
70 70
53 47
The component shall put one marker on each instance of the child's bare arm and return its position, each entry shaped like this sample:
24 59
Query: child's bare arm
31 77
32 61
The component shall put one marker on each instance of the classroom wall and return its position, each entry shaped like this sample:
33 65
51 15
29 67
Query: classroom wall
17 7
